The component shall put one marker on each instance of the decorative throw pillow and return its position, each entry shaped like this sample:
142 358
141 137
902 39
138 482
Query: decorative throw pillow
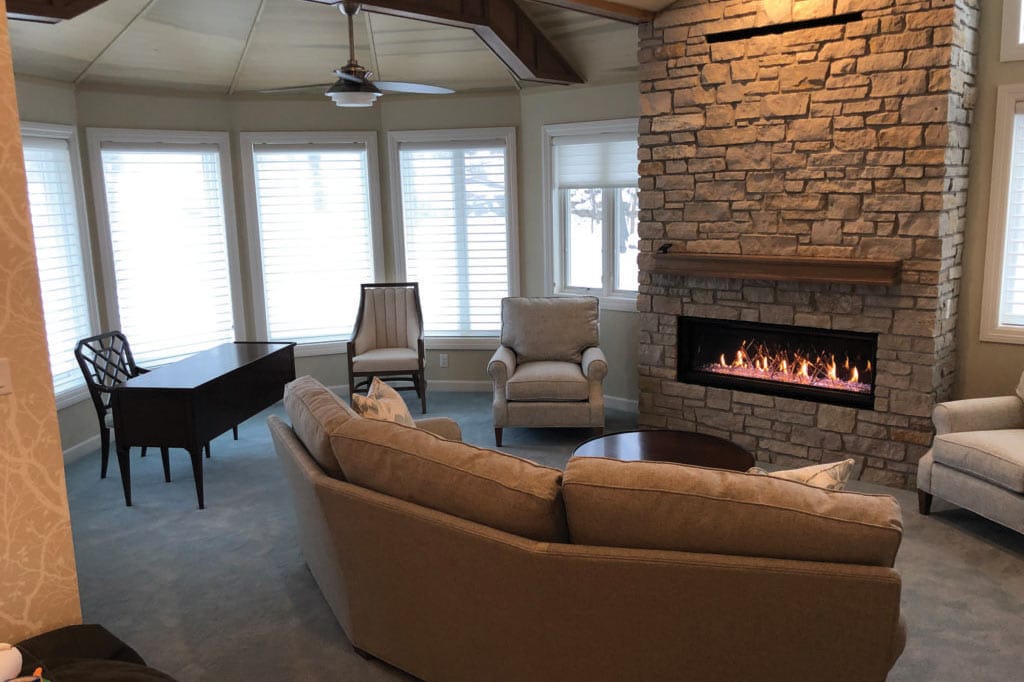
384 403
831 476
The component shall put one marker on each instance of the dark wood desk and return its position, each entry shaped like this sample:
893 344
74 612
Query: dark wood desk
682 447
190 402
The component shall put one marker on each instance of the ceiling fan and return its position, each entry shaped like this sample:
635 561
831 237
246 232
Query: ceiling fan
354 87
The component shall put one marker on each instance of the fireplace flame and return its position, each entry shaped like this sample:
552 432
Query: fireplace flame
757 361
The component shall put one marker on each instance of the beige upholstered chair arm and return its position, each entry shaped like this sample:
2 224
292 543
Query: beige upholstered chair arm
595 365
441 426
979 414
502 365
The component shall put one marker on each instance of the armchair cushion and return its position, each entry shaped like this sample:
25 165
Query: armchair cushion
549 328
386 360
994 456
547 381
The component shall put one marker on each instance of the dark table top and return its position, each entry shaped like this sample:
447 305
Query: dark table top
205 366
682 447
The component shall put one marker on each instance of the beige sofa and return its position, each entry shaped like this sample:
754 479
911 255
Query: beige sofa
454 563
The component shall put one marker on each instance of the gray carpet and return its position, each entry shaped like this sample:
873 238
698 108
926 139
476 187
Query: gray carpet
223 594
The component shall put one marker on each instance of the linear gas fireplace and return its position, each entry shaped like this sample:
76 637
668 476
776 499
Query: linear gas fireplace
826 366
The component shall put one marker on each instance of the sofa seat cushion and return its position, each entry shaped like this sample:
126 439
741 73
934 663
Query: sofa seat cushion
315 412
660 505
547 380
485 486
995 456
386 360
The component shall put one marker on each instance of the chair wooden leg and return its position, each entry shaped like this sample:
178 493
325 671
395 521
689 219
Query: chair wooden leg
497 437
421 390
234 432
206 447
165 457
104 450
143 450
924 502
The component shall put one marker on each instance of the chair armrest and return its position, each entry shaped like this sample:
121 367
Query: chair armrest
502 365
595 366
979 414
441 426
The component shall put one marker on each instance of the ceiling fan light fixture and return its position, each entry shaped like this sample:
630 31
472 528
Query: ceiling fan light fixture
346 93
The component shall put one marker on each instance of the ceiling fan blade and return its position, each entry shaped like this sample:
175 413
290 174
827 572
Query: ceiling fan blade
298 87
416 88
347 76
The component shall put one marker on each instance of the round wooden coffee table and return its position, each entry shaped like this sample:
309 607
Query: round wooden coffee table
682 447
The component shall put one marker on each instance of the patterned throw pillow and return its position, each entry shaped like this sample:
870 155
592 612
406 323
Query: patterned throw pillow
384 403
831 476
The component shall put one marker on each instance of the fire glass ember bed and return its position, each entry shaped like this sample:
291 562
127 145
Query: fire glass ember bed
823 365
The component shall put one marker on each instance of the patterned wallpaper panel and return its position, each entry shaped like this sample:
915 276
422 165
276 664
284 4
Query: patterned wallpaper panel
38 582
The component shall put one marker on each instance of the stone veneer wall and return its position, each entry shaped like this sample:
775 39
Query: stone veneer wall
842 141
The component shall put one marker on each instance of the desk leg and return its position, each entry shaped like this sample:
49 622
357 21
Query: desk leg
197 472
124 464
166 458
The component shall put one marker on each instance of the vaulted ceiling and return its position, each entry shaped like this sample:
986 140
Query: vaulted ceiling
231 46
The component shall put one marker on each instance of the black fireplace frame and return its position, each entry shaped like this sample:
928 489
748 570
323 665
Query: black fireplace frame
686 352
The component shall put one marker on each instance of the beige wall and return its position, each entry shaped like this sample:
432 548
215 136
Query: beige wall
985 368
38 582
527 112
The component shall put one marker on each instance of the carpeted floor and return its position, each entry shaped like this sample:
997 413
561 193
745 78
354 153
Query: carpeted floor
223 594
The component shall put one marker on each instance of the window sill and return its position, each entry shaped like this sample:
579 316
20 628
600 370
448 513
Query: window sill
1003 334
71 397
621 303
310 350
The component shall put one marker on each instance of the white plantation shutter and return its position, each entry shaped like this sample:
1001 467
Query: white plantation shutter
455 221
59 254
588 161
168 235
313 206
1011 305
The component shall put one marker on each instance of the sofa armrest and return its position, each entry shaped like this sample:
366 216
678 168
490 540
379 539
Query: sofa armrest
502 365
441 426
595 365
979 414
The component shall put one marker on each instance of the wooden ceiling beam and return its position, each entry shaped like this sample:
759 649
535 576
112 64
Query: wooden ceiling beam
503 26
603 8
48 11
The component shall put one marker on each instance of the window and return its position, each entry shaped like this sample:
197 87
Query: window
455 200
163 205
1002 312
315 205
62 253
1012 47
594 207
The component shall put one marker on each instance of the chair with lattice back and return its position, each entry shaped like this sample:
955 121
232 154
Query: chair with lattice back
106 361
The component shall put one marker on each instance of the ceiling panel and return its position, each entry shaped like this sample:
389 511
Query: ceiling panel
62 51
601 50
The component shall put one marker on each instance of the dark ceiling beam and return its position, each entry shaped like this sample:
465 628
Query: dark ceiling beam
603 8
503 26
48 11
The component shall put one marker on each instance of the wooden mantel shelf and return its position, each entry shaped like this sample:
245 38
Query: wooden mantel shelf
775 268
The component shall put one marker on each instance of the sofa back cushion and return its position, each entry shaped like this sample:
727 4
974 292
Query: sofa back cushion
315 412
549 328
658 505
488 487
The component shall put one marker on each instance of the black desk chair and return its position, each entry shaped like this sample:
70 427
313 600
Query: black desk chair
106 361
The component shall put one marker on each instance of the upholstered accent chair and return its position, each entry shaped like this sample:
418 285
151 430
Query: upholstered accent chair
548 370
977 458
387 340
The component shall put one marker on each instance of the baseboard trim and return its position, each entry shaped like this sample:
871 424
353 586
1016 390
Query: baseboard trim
77 452
460 386
624 404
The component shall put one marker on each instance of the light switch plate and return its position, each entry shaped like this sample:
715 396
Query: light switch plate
5 377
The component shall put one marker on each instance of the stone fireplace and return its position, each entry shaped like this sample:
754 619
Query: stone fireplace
804 164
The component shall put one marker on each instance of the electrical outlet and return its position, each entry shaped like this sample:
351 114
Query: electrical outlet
443 359
5 377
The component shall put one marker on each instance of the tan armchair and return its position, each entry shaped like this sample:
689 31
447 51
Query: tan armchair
387 340
548 370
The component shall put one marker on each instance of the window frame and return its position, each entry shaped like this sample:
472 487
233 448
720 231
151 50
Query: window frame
508 135
95 138
553 210
247 142
1011 46
69 134
1007 98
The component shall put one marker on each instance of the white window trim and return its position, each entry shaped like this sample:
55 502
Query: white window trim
1011 48
247 142
70 135
508 134
622 301
95 138
999 196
